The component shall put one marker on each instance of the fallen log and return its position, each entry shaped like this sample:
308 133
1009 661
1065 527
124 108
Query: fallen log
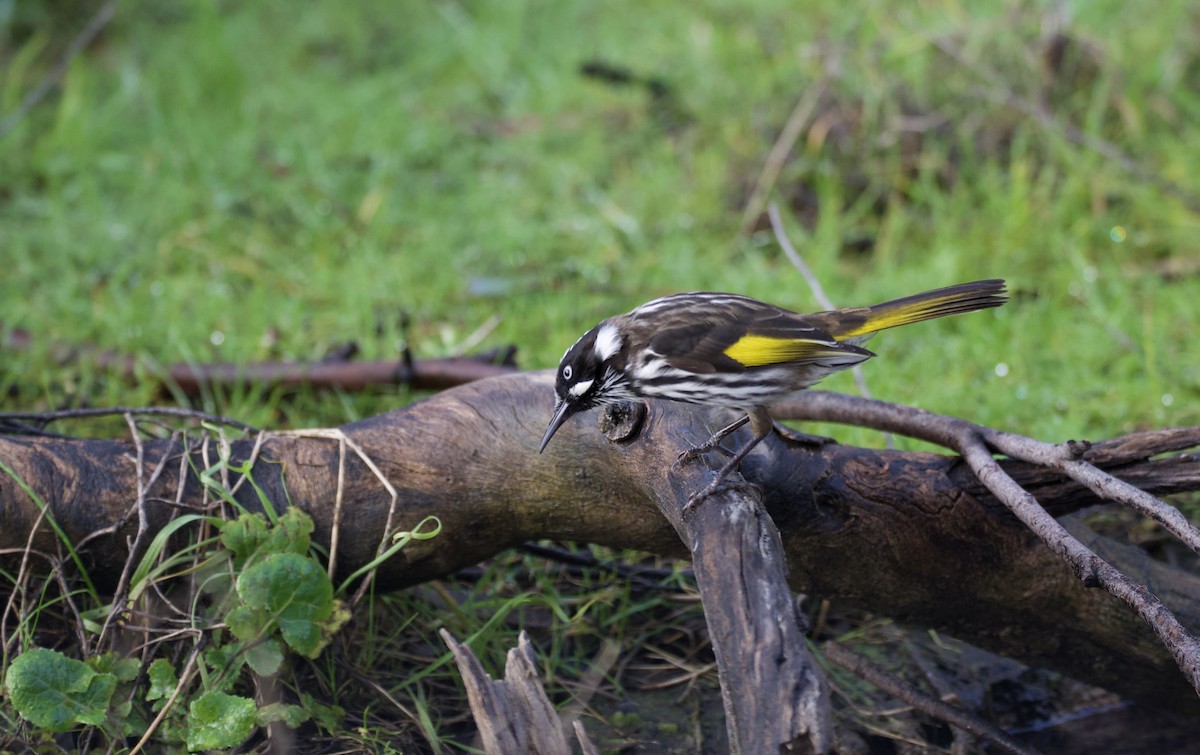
910 535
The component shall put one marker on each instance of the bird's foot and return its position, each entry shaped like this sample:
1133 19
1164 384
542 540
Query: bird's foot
714 444
695 452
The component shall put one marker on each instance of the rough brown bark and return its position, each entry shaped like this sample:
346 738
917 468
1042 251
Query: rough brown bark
775 700
908 535
513 714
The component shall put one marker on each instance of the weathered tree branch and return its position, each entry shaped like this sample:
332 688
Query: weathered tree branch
913 536
975 443
340 373
756 631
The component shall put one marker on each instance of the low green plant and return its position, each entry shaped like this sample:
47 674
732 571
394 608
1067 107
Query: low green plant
55 692
260 594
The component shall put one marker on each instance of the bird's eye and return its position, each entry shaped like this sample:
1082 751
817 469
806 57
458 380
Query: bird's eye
567 371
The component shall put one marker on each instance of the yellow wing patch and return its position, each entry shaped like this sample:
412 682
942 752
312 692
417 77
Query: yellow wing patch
757 351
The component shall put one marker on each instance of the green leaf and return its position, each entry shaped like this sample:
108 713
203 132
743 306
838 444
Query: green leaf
217 721
265 658
94 618
328 717
227 661
55 692
132 720
124 669
244 535
163 680
339 618
292 715
302 635
296 592
291 533
121 709
248 624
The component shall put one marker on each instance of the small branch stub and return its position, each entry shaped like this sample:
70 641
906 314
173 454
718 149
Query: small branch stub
620 423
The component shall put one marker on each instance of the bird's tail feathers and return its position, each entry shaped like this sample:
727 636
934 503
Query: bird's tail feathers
952 300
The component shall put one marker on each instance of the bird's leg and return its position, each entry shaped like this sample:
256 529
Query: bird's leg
714 443
761 425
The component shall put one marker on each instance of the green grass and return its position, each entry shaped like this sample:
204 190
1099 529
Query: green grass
261 181
245 182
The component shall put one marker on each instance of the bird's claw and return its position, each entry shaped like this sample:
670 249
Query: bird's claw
695 452
699 496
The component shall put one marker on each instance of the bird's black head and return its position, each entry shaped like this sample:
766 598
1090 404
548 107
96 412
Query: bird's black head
588 376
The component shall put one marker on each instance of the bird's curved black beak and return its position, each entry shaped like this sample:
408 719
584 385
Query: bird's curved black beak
562 412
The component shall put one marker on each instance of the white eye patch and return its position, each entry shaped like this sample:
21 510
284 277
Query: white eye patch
608 342
567 372
580 388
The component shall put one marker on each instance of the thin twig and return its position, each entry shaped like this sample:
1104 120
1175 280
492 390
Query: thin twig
55 74
341 437
18 593
801 114
139 506
188 670
224 452
785 243
962 740
249 464
940 429
336 529
1092 570
69 591
644 576
1066 459
162 411
476 338
120 594
971 442
893 685
590 682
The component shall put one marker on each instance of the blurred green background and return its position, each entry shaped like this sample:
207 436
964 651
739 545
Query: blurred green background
236 182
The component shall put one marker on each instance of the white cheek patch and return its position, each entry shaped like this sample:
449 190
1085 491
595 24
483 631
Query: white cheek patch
580 388
608 342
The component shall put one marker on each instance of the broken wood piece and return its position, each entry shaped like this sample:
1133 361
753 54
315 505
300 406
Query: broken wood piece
513 715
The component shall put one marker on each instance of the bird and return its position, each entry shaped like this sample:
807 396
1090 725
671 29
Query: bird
733 351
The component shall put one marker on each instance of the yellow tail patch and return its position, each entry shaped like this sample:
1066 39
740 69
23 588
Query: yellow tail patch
917 312
757 351
953 300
